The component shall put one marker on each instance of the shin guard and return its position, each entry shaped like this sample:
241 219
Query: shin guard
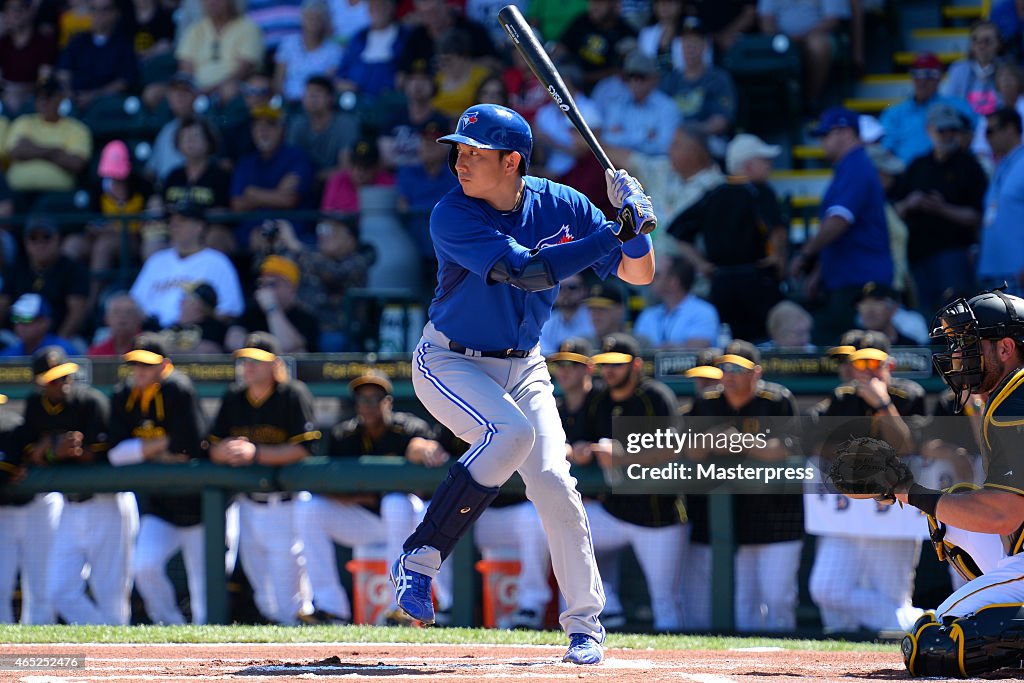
987 640
456 504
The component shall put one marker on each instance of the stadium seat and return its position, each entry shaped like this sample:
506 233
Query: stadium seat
158 69
882 86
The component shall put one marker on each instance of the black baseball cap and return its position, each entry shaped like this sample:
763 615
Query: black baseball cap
50 363
877 290
259 346
740 352
147 349
604 295
187 208
617 348
575 349
848 343
372 377
41 223
873 339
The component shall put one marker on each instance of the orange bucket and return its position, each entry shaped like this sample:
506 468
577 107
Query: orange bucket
501 585
371 590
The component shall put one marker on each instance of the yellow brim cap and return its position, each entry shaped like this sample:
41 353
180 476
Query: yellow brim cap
144 357
868 354
736 360
56 372
704 372
612 358
568 355
255 354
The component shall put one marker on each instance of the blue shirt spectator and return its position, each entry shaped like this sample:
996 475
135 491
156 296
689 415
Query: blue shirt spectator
1002 246
1011 26
646 119
371 60
32 317
906 122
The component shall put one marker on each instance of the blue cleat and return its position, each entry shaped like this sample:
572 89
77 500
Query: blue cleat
583 650
412 591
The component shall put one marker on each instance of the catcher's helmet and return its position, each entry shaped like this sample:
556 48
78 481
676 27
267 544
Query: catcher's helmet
961 325
491 126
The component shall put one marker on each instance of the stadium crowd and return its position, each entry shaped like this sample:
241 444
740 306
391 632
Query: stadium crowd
327 113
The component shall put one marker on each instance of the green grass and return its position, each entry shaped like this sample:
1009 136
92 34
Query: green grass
377 634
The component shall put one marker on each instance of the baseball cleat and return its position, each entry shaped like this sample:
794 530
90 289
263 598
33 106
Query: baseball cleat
412 591
583 650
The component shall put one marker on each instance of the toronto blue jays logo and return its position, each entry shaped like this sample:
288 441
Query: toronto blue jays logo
468 118
561 237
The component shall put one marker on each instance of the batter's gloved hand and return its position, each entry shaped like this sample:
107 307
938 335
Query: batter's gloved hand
636 217
869 468
620 186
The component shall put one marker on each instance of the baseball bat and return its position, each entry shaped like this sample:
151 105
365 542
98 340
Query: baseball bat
530 48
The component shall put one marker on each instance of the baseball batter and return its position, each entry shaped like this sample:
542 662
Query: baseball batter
979 627
504 240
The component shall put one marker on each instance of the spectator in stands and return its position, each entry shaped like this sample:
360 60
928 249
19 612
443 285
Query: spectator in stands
221 49
433 20
768 528
276 20
267 419
373 57
47 150
26 55
743 237
552 17
100 62
314 52
123 319
276 309
1000 258
662 38
32 321
181 100
342 191
62 282
233 118
644 121
651 524
1008 16
155 416
420 186
852 245
974 78
789 326
876 306
890 172
159 286
569 319
151 27
905 123
704 93
363 519
1010 88
849 593
322 132
605 303
198 329
277 177
814 27
681 319
726 20
597 40
198 179
677 181
399 135
940 198
66 424
458 75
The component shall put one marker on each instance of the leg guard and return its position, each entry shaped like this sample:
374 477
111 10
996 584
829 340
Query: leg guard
987 640
456 504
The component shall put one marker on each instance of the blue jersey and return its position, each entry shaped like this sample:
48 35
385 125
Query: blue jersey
470 237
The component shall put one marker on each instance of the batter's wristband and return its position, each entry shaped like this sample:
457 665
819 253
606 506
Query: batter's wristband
923 498
638 247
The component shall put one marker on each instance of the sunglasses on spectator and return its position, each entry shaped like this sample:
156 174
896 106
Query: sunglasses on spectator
733 368
867 363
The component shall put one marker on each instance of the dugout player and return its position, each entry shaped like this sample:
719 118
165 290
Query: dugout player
27 525
504 240
67 423
768 527
978 628
847 584
363 519
652 524
155 417
267 419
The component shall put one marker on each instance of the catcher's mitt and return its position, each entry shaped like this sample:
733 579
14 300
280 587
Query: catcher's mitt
869 468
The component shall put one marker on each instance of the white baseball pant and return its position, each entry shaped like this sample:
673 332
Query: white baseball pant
26 535
516 530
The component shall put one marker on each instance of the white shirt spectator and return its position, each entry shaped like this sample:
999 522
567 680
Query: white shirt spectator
646 127
349 17
160 285
557 329
693 318
301 64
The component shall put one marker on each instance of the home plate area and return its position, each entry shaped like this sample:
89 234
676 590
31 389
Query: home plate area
372 661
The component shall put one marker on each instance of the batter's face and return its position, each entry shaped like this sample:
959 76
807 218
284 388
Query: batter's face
485 173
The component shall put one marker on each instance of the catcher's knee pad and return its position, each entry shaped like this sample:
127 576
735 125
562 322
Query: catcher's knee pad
987 640
458 502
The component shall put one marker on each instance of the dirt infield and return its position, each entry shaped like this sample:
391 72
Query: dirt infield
372 662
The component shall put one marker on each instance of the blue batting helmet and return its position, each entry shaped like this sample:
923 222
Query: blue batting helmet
491 126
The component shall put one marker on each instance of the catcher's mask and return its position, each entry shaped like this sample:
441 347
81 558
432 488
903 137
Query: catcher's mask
961 326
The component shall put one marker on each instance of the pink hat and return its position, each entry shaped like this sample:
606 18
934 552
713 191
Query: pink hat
114 161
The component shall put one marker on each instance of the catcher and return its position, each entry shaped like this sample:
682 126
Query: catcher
980 627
